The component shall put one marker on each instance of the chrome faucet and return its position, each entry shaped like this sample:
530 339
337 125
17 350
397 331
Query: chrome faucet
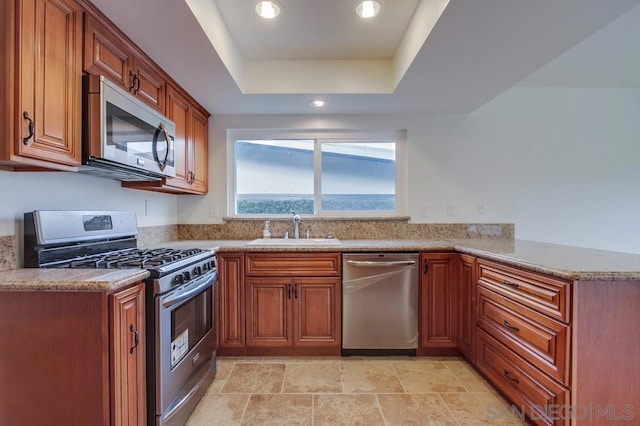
296 225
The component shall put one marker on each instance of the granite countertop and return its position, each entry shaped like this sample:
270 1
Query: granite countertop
566 262
33 279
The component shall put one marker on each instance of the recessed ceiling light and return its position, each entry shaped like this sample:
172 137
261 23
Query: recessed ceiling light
268 9
317 103
368 8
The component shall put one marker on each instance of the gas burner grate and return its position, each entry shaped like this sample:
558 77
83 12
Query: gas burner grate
133 258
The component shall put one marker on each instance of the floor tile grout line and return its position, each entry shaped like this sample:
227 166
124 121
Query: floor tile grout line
395 371
284 375
384 420
244 411
453 416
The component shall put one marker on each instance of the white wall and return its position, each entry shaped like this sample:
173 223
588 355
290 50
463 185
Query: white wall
22 192
563 164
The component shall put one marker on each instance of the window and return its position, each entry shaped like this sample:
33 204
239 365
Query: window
316 174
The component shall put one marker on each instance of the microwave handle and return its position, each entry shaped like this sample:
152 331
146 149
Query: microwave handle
164 162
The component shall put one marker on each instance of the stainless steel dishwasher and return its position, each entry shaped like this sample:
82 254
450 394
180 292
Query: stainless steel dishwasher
380 303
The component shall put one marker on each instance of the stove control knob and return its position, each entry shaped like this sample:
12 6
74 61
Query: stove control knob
178 280
186 276
197 271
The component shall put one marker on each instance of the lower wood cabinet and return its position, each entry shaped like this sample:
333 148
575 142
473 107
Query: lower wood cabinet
468 276
231 310
293 312
73 358
276 303
439 304
127 354
532 393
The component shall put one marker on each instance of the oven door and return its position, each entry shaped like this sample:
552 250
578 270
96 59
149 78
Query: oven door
185 343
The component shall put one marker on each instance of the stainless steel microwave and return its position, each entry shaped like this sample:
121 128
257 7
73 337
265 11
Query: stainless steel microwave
124 138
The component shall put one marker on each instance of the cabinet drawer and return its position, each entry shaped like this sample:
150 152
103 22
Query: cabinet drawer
540 340
292 264
542 399
543 294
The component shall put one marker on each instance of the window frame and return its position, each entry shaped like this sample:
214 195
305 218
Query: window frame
320 137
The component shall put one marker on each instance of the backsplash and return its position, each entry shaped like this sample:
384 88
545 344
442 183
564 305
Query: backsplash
154 235
8 253
347 230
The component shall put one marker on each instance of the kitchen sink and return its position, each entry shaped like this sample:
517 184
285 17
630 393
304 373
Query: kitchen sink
288 242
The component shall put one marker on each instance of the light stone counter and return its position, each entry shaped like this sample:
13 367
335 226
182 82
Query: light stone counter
34 279
572 263
567 262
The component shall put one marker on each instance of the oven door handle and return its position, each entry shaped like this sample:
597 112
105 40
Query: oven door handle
187 294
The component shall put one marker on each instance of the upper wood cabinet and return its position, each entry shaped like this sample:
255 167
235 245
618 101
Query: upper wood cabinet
110 54
41 92
190 149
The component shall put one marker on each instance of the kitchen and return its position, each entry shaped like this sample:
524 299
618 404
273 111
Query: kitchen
558 161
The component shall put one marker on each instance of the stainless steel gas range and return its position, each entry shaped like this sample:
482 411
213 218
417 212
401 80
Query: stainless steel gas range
180 298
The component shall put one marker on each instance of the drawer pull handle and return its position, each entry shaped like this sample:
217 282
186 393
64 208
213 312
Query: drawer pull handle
508 325
510 377
510 284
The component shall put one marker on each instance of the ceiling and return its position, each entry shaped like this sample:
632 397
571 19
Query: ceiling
437 56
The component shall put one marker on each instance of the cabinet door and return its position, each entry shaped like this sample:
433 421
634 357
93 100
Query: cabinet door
149 85
199 151
467 305
178 111
128 379
268 310
50 81
231 300
109 54
316 314
106 54
438 297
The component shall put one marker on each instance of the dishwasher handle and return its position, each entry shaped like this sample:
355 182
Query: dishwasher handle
373 263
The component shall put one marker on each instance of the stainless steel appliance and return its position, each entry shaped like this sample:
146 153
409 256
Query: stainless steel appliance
380 303
123 138
180 298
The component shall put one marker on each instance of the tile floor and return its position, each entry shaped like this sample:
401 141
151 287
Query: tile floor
350 391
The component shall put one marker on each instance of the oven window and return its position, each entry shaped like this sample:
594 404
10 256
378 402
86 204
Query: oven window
189 323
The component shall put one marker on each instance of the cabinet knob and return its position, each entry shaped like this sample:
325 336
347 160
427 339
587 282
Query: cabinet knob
32 128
